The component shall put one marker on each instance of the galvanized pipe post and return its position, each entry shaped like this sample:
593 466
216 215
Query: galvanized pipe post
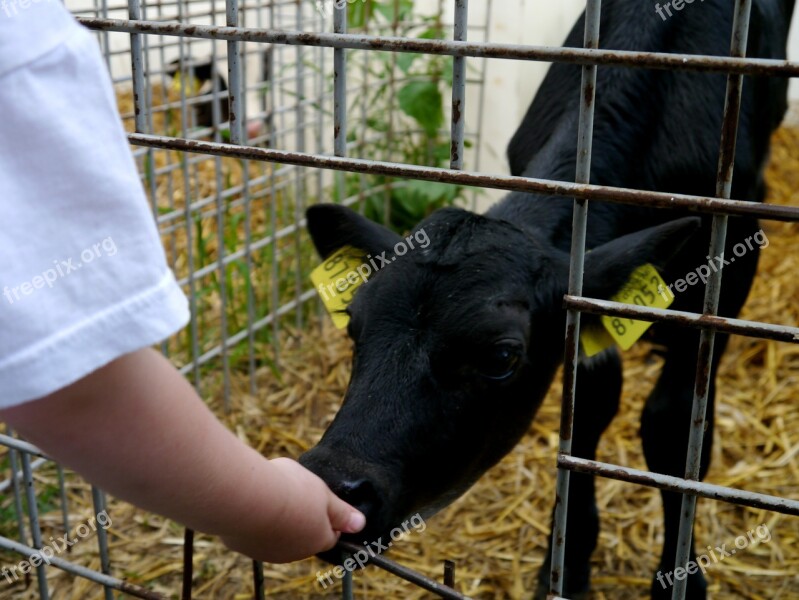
340 93
459 87
576 267
718 237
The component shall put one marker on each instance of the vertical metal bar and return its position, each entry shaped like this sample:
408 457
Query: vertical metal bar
221 209
137 70
576 266
459 86
104 36
301 173
18 509
478 143
33 514
346 586
449 574
234 75
392 93
187 215
237 104
62 490
340 93
275 267
259 591
188 563
718 238
98 501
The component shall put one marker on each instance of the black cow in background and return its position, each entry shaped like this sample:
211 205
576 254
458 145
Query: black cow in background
203 76
456 345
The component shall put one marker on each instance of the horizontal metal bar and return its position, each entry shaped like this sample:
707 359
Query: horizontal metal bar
419 580
22 446
768 331
579 56
80 571
683 486
702 204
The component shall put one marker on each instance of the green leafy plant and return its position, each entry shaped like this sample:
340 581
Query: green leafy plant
404 96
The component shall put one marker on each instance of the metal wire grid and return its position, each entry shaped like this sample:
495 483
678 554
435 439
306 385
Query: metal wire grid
720 206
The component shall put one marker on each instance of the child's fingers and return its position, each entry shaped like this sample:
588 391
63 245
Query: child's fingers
344 517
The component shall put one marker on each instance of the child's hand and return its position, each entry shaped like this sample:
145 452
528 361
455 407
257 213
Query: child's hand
138 411
310 519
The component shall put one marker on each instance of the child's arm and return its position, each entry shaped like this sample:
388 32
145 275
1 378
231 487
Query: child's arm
137 429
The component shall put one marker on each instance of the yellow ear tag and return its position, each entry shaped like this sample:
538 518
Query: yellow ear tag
193 87
336 281
644 288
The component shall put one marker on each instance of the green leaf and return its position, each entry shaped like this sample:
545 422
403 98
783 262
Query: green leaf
386 9
422 100
405 60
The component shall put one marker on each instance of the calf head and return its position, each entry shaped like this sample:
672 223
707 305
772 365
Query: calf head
455 345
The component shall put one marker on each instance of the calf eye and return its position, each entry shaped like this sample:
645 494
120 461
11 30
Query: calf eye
501 360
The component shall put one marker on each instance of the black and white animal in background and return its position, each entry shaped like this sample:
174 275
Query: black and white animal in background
205 77
456 345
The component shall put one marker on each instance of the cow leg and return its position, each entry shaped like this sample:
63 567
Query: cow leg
665 427
599 383
666 418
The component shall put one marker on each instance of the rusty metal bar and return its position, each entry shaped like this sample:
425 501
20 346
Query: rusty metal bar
718 238
459 87
80 571
33 515
585 134
407 574
684 486
340 93
578 56
299 175
766 331
698 204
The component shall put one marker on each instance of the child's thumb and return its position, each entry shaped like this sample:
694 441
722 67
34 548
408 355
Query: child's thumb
343 517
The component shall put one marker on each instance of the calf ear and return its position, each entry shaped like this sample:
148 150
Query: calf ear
333 226
608 267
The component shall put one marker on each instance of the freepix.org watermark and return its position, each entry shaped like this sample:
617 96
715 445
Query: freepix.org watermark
11 8
715 555
702 273
56 546
371 550
363 271
677 5
60 268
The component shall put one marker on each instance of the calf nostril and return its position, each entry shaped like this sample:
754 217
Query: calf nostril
360 493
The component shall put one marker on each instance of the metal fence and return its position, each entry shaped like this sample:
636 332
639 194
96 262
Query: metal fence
293 123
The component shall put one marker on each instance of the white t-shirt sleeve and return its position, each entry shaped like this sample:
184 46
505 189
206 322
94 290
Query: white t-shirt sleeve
83 277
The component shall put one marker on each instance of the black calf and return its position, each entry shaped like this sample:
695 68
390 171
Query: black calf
456 344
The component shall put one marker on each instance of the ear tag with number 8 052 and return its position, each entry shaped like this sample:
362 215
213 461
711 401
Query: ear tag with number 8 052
644 288
336 281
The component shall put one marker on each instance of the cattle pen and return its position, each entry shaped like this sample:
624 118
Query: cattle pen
307 101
